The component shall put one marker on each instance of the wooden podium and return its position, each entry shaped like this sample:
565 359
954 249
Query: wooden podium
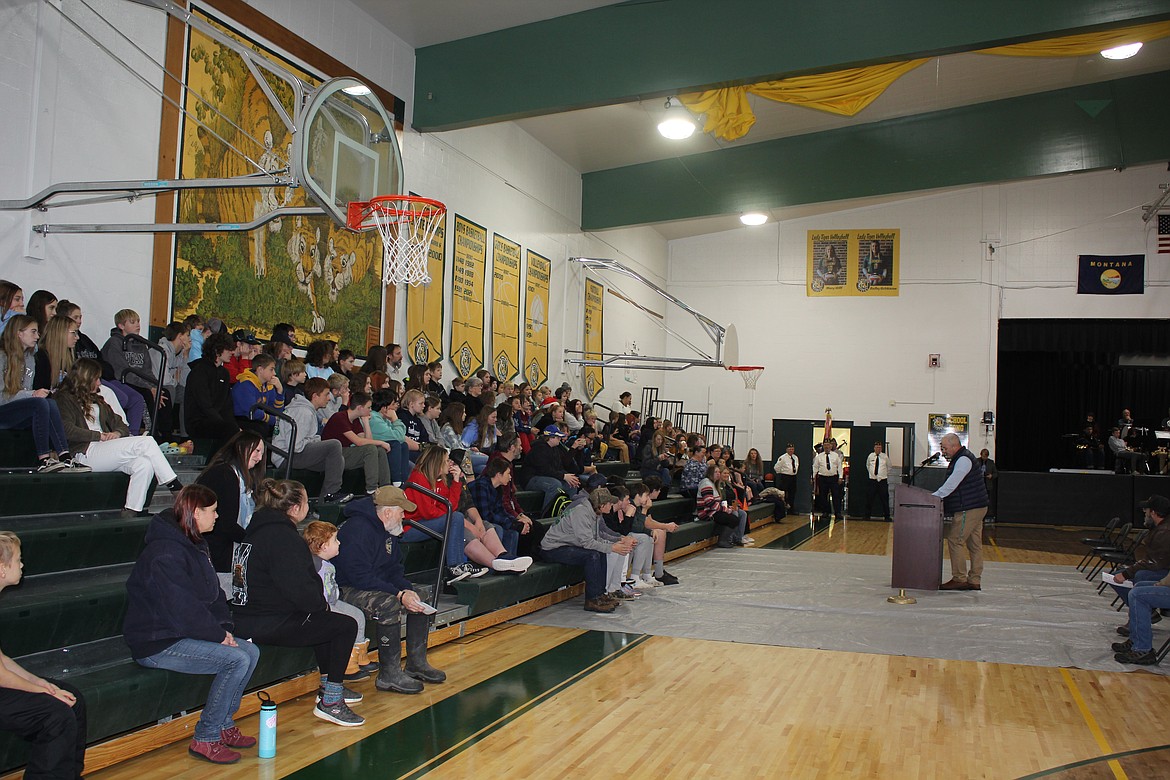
918 522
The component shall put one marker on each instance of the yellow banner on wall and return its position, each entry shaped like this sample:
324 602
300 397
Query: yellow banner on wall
536 319
425 311
505 308
594 309
468 264
852 262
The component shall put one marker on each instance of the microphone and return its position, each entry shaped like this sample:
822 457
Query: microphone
931 459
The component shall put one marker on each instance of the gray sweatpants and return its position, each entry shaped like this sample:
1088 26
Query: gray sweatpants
372 460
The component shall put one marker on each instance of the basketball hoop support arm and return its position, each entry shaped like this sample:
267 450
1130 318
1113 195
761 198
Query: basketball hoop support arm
713 329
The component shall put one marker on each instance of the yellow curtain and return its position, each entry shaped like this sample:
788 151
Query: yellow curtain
846 92
1084 45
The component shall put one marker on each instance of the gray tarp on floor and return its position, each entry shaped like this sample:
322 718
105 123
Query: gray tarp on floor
1026 613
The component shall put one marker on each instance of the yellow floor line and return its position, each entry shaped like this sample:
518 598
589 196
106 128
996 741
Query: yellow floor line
994 546
1098 735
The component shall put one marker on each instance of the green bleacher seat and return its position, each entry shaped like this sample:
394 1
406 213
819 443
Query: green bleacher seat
43 494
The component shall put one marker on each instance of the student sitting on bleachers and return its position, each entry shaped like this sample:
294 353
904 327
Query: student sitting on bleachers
130 360
309 451
351 427
550 468
292 378
507 451
432 409
198 332
324 545
658 531
693 471
371 576
178 619
485 542
656 459
254 385
479 437
42 307
247 347
435 386
451 426
208 399
132 404
712 504
436 473
176 343
617 526
22 407
410 411
55 356
47 714
486 495
318 356
233 474
338 397
386 427
575 540
277 597
103 442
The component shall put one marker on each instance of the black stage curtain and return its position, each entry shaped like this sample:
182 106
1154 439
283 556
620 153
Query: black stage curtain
1053 372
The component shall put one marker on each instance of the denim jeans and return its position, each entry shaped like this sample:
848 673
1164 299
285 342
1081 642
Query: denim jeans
399 459
549 487
1145 598
478 462
232 667
593 561
455 554
1152 575
42 417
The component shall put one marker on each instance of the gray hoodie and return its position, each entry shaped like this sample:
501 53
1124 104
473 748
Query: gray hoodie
578 527
302 411
26 381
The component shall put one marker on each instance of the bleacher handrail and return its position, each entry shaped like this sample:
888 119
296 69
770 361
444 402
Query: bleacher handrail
272 448
443 537
146 377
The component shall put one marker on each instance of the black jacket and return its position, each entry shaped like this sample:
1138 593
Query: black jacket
545 461
277 579
208 398
172 592
225 483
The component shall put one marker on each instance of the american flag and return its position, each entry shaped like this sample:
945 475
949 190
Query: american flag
1163 234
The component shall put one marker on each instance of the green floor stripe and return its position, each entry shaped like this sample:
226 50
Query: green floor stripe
798 535
413 745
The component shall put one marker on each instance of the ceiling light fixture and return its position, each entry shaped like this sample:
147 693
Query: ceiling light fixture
1121 52
753 218
679 124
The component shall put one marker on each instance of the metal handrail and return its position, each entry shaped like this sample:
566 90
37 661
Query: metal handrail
442 537
147 377
278 414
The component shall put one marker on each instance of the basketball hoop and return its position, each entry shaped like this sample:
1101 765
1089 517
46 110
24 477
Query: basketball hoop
750 374
407 224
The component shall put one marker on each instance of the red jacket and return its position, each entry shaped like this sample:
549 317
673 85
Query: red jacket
429 508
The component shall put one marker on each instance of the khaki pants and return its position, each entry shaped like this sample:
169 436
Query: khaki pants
966 534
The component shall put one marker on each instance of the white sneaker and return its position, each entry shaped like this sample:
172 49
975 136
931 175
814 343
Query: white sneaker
520 564
749 540
478 571
641 583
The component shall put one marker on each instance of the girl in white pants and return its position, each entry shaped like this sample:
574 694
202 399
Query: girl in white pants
101 439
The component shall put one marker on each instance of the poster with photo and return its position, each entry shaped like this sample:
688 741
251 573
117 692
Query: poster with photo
852 263
939 425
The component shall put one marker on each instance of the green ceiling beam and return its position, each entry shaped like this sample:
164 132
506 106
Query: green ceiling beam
649 48
1112 124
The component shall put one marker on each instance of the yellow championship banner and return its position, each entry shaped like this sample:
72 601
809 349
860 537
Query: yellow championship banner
852 262
594 309
425 312
468 263
505 308
536 319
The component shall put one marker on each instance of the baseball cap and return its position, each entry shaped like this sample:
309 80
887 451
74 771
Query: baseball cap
388 495
215 325
553 430
284 338
1157 503
602 496
245 337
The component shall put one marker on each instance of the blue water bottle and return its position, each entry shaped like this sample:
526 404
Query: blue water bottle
267 726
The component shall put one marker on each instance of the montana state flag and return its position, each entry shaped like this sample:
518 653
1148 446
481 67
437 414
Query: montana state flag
1112 275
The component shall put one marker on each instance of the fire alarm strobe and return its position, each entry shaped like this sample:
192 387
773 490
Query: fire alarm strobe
935 361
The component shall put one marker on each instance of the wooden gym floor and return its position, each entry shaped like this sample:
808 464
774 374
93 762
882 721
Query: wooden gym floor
531 701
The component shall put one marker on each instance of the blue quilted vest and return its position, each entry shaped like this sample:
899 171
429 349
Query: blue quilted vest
971 492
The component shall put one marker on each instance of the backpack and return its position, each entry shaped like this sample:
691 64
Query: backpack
558 505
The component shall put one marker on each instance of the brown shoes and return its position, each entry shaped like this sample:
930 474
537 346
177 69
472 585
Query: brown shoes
597 605
953 584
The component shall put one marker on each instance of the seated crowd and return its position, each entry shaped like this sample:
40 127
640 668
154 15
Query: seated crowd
239 557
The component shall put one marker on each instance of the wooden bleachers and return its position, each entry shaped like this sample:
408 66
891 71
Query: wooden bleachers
65 619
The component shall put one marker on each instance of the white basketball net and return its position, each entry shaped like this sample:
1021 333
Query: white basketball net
406 238
750 376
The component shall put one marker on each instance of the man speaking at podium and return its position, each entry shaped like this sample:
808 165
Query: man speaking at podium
965 502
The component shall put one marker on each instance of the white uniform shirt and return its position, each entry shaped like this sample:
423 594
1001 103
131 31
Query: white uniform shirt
878 466
827 464
787 465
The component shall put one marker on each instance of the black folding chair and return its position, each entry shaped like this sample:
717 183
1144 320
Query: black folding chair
1108 536
1120 542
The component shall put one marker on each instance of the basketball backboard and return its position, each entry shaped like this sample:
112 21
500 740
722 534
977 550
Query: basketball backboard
347 149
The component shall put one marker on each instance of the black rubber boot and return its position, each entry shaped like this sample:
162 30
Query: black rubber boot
390 675
726 534
417 627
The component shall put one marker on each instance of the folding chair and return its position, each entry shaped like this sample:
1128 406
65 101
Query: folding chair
1107 537
1121 541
